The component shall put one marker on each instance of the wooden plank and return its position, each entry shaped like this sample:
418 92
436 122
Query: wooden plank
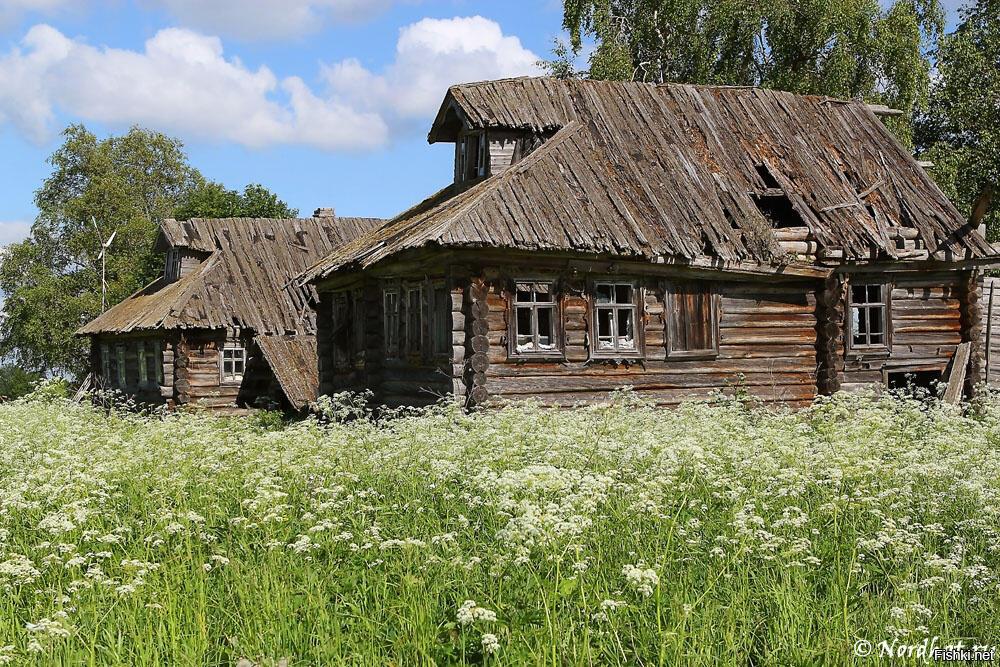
956 378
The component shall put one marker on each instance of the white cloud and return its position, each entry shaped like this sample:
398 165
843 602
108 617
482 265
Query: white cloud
183 83
270 19
431 55
13 231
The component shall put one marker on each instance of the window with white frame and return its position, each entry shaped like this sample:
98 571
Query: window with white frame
120 365
414 320
390 319
615 319
535 319
869 317
232 364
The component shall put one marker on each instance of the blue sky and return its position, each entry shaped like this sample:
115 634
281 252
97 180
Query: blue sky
325 102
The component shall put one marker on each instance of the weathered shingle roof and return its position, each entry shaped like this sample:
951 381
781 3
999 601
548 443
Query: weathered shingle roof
293 361
246 280
672 170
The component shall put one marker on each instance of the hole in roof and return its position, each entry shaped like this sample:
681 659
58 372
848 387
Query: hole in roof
765 174
779 212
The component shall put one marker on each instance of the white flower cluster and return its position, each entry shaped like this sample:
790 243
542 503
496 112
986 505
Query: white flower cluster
641 579
470 613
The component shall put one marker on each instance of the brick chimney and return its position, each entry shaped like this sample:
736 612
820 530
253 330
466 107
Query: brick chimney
324 213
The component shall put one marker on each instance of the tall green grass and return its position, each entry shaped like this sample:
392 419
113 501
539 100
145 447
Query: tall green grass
709 535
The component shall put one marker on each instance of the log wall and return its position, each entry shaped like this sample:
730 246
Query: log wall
990 333
196 368
767 348
926 326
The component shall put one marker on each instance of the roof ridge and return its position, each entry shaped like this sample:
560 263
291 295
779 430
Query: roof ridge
484 187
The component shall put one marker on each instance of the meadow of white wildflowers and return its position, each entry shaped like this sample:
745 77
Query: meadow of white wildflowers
707 535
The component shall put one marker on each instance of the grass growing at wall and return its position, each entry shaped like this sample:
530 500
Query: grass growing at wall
709 535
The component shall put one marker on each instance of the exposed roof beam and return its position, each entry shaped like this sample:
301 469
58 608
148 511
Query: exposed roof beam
883 110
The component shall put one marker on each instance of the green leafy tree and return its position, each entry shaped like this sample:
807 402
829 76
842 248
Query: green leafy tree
16 382
122 185
208 199
961 131
842 48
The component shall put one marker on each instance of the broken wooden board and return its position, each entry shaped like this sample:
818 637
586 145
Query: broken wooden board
956 378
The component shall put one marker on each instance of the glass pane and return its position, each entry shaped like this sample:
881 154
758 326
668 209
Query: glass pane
525 338
874 294
238 366
623 293
855 321
876 339
858 294
875 320
546 333
523 295
626 330
605 293
543 295
605 329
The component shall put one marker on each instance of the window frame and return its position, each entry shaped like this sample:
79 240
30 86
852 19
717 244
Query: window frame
106 362
172 268
558 351
120 366
439 320
233 378
637 298
670 292
413 318
884 304
343 357
390 338
140 358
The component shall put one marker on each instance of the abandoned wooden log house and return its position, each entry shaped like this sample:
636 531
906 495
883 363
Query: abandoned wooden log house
224 325
678 239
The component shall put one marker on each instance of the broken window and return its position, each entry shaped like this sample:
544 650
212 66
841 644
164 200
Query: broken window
472 156
390 301
692 320
534 318
233 364
440 321
172 270
615 317
869 316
